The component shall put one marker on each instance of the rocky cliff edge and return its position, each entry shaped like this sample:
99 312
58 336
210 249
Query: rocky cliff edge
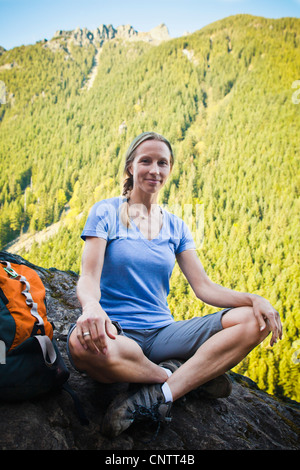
247 420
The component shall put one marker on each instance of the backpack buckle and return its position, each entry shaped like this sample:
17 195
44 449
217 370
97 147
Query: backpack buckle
11 272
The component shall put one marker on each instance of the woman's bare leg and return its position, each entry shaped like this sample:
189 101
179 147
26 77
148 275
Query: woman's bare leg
219 353
124 362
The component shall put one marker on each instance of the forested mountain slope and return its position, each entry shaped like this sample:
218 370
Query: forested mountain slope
224 98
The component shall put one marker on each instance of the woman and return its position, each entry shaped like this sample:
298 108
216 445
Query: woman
126 332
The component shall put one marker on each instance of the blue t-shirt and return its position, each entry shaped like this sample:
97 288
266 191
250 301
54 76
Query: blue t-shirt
136 271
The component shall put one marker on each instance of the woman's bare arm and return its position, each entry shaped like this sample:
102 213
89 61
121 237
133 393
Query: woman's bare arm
93 319
219 296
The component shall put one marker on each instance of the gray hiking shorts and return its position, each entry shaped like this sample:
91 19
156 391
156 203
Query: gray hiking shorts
179 340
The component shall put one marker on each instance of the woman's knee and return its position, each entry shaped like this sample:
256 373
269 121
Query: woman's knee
84 359
245 318
119 350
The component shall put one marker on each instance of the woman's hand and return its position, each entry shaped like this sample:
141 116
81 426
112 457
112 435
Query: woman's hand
267 316
94 328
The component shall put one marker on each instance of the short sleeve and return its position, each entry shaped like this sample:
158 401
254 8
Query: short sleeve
100 222
186 241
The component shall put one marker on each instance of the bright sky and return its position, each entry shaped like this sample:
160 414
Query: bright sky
28 21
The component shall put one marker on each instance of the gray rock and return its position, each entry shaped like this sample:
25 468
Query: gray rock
84 37
247 420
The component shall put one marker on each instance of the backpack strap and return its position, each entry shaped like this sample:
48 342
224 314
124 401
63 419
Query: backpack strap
77 403
47 349
29 301
44 341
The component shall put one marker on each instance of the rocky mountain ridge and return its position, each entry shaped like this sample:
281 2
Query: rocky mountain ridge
84 37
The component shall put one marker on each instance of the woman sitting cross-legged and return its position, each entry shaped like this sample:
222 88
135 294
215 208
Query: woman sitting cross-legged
126 332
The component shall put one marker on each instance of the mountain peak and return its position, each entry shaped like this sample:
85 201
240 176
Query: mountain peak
84 37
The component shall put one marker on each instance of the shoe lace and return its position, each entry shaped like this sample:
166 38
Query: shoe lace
141 413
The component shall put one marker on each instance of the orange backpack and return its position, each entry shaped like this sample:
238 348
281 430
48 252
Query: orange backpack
29 315
30 363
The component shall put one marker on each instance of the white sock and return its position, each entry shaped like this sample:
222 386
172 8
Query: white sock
167 392
168 371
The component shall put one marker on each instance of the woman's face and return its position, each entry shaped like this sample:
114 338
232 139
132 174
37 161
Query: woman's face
151 166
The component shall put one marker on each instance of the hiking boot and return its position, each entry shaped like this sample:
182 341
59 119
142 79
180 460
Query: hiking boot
220 387
147 403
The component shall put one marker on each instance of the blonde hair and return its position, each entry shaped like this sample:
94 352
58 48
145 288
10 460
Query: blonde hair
130 155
